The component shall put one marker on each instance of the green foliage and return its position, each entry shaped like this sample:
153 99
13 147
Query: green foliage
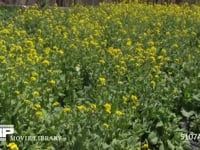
117 76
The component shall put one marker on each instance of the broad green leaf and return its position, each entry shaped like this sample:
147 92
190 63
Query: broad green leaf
153 138
196 97
187 114
159 124
170 145
105 146
161 147
16 109
179 148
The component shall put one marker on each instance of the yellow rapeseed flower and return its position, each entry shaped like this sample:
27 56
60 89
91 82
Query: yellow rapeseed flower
12 146
145 146
27 101
152 59
153 83
33 78
102 81
125 99
101 61
167 33
29 43
160 58
17 92
129 42
135 106
81 107
2 58
36 93
93 106
119 113
67 109
115 52
65 35
46 62
106 125
151 43
175 46
39 114
153 49
4 48
61 52
123 70
26 82
137 65
37 107
5 31
107 107
39 31
134 98
47 50
40 41
156 76
55 104
53 82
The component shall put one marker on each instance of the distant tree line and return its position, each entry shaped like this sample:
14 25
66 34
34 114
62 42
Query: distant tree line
169 1
87 2
58 2
95 2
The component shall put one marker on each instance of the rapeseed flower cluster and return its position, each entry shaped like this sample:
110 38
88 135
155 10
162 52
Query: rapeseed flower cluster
102 81
108 108
87 69
12 146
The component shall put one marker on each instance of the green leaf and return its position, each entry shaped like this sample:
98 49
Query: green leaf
161 147
115 142
16 109
179 148
170 145
105 146
159 124
50 148
196 97
153 139
187 114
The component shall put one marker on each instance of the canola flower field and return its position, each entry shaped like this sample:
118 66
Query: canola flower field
111 77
